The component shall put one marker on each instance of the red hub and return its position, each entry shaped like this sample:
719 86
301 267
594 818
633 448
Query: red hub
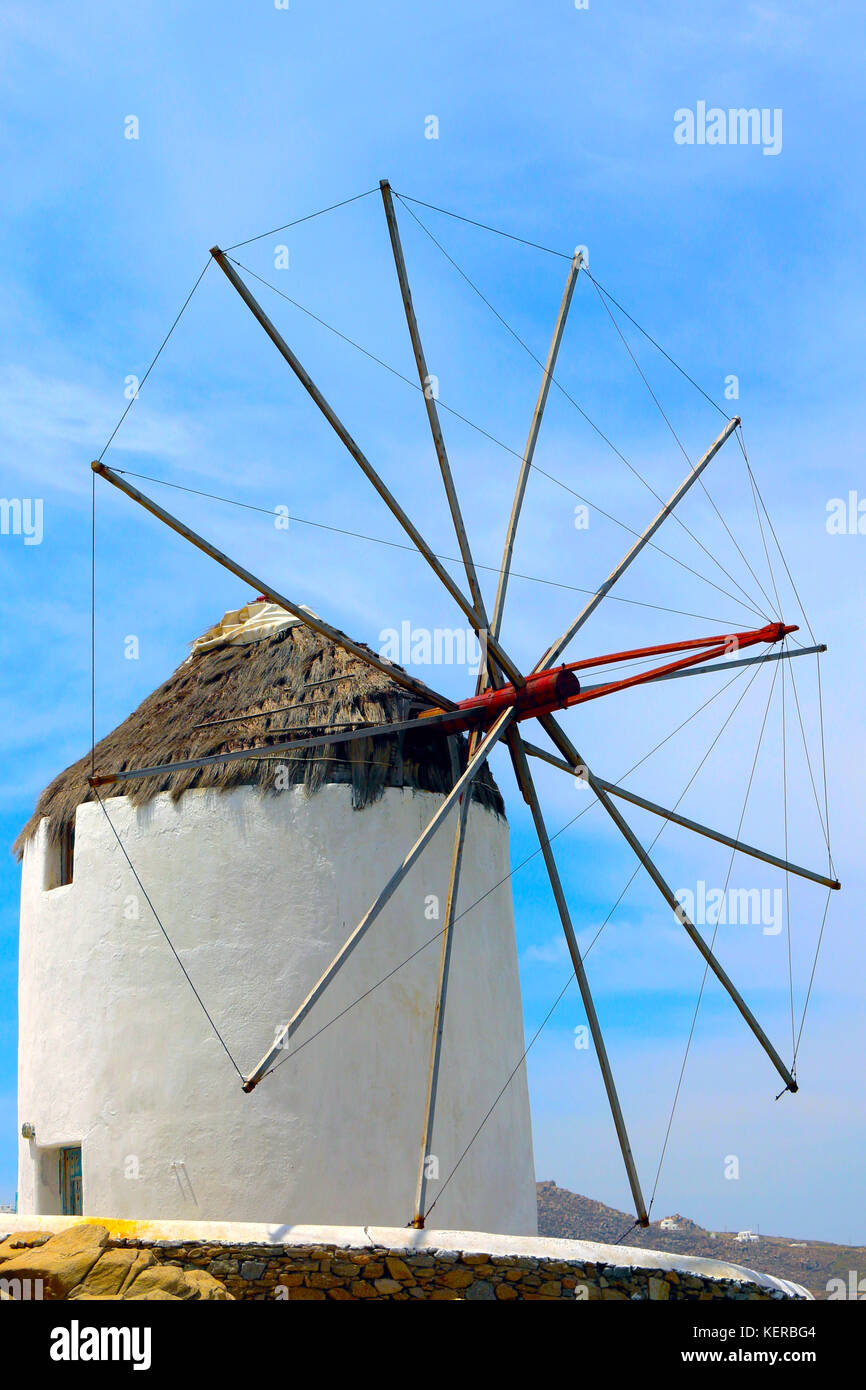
546 691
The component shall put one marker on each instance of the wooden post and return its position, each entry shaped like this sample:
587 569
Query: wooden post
439 1012
722 666
240 755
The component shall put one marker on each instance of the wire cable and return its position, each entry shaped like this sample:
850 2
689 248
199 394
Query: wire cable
516 453
155 359
586 953
405 198
534 854
412 550
685 455
158 920
706 966
579 408
787 874
655 344
298 220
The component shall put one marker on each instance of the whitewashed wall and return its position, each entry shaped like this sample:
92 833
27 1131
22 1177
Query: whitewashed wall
257 892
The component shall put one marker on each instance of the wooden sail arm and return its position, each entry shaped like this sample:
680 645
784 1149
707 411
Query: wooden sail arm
578 765
476 622
787 655
614 789
530 796
309 619
473 766
553 653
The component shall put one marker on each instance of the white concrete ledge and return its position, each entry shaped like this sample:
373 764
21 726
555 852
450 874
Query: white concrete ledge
404 1239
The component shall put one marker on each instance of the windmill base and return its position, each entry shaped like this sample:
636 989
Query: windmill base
315 1263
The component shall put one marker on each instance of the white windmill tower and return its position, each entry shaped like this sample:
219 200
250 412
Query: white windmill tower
256 870
271 900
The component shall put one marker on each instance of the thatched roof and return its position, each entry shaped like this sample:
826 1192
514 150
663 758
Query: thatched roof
265 675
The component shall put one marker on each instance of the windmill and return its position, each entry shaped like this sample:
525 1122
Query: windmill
505 700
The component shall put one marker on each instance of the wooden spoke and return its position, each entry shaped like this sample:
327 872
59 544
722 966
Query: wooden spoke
430 402
439 1011
317 624
472 767
727 665
531 797
572 756
400 726
532 440
364 463
613 789
553 653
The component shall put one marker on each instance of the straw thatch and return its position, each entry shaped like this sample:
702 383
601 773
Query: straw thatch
262 676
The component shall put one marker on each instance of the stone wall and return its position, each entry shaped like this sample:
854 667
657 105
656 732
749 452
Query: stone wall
317 1272
314 1263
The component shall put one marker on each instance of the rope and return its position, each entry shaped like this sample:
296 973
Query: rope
633 1227
779 548
108 442
824 828
823 753
814 968
165 934
298 220
777 610
655 344
656 402
405 198
155 359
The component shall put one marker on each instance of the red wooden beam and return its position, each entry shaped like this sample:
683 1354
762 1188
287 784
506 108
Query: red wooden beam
546 691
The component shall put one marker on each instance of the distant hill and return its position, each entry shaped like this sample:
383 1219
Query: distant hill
809 1262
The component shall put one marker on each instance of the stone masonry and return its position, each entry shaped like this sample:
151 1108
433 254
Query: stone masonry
318 1263
318 1272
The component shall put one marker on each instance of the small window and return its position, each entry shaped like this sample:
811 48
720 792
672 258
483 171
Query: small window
59 860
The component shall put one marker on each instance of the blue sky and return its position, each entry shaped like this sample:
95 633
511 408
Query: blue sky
557 124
